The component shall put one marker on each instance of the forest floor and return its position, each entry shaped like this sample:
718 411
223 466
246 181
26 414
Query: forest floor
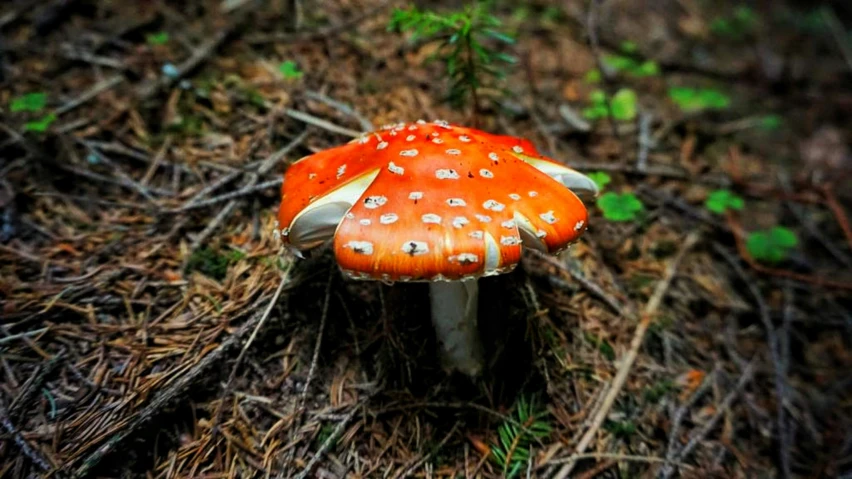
153 327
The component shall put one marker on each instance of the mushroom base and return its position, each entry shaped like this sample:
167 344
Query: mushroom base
454 309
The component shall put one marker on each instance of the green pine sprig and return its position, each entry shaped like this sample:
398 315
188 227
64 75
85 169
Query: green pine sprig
469 44
528 425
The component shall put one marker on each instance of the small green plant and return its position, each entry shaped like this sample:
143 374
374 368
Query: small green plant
620 206
290 70
529 424
621 429
627 63
771 122
41 125
720 201
631 66
33 102
209 262
771 246
326 432
601 179
468 44
593 76
159 38
697 99
736 26
628 46
623 105
658 390
602 346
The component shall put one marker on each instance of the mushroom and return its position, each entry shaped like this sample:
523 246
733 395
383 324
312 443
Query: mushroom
434 202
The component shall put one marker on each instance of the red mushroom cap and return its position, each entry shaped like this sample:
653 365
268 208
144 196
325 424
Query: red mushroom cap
431 201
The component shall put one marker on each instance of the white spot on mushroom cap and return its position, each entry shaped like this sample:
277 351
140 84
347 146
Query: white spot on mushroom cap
517 149
456 202
410 138
373 202
365 221
493 157
312 176
509 224
382 145
341 171
460 222
478 234
446 174
360 247
548 217
510 240
486 173
415 195
541 233
431 218
395 169
410 153
464 139
493 205
579 225
483 218
415 248
515 196
453 151
533 194
388 218
437 141
464 258
350 216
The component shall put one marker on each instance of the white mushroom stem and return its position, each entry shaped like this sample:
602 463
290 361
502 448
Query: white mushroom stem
454 306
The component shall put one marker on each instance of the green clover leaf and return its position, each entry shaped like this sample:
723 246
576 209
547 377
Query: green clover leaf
290 70
30 102
41 125
623 105
771 246
721 201
601 178
696 99
620 207
592 76
159 38
771 122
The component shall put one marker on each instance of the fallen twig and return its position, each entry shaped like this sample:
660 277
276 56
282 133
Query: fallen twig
92 92
677 420
285 279
699 436
319 34
199 56
627 362
319 122
408 470
26 449
172 392
366 124
332 438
